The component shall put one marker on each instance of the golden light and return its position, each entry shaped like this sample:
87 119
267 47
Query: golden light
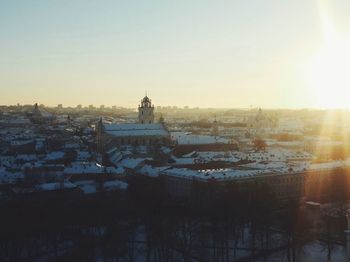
328 72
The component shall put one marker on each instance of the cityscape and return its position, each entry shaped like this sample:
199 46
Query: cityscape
159 133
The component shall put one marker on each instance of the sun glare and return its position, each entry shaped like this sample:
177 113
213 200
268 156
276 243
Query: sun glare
327 72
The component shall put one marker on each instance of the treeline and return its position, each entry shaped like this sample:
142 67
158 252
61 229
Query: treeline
213 224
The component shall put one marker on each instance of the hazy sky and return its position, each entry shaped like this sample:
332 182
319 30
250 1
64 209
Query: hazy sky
234 53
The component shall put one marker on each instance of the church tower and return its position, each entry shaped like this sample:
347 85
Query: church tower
100 129
146 111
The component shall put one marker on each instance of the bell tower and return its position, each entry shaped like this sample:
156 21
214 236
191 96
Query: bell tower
146 111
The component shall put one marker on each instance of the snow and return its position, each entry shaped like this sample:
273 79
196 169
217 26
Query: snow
26 157
114 155
316 252
205 157
219 175
21 142
311 203
115 185
166 150
278 154
290 124
7 177
184 138
131 163
55 186
90 186
129 130
87 186
184 160
15 121
280 167
192 154
83 156
90 168
72 146
327 165
217 156
55 155
152 171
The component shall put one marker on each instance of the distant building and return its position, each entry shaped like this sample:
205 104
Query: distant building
215 128
37 116
181 182
261 121
146 111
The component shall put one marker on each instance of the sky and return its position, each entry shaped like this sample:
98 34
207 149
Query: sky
228 54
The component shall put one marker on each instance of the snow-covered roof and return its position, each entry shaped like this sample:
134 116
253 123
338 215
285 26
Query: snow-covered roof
152 171
183 138
87 186
7 177
15 121
115 185
204 157
219 175
130 130
278 154
90 168
184 160
115 155
26 157
327 165
55 155
21 142
91 187
280 167
131 163
83 155
217 156
55 186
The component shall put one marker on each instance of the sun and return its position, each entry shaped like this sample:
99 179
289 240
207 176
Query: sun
328 71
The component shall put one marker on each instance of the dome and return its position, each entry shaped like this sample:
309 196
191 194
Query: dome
36 110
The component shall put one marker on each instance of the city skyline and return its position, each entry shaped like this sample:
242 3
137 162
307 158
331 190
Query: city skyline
218 55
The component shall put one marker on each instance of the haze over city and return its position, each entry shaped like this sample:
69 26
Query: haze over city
228 54
171 131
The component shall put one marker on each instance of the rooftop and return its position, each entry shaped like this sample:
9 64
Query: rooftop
127 130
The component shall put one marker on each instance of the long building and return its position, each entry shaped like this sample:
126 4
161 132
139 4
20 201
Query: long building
313 184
